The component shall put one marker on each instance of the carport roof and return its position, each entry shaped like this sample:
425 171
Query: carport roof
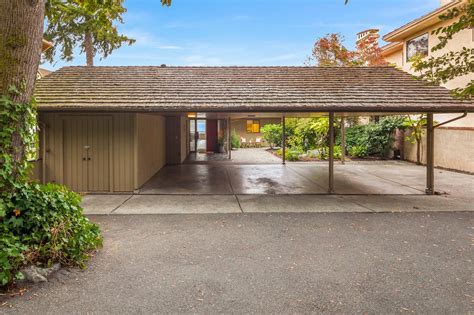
242 89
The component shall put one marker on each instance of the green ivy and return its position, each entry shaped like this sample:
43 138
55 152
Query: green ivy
17 121
39 224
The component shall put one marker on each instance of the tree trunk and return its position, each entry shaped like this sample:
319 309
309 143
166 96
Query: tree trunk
21 32
418 151
89 48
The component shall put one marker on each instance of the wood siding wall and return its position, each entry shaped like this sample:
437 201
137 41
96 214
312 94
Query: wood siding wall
123 157
120 169
150 146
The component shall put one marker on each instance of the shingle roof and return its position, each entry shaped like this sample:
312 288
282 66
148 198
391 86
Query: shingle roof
241 89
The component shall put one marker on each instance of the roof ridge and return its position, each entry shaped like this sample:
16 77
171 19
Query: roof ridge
225 67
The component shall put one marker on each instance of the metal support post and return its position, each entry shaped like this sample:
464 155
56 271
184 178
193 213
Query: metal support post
283 140
343 140
331 153
229 140
429 155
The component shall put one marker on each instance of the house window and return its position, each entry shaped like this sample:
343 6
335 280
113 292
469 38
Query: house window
253 126
417 46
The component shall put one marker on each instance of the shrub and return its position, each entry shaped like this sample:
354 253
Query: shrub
379 136
358 151
234 140
272 133
375 138
308 133
290 154
11 255
323 153
43 224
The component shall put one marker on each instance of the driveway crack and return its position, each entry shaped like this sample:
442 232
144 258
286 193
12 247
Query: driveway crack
120 205
232 189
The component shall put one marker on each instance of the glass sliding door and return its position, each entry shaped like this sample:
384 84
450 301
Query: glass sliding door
201 135
192 135
197 135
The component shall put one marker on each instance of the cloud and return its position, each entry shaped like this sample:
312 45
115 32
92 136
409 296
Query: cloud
148 40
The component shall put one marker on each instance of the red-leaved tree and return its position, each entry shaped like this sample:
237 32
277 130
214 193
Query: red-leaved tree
369 52
329 51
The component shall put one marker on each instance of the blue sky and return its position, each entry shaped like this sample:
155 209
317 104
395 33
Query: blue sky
246 32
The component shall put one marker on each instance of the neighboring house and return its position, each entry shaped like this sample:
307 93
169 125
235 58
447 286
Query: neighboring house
112 128
45 45
39 162
453 140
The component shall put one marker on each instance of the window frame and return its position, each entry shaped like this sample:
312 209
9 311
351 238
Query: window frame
413 38
254 122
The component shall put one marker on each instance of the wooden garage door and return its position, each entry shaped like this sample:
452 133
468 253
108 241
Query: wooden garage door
86 153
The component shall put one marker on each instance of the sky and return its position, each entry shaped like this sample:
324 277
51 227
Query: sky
246 32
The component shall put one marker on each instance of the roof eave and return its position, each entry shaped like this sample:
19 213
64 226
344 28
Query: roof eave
45 45
372 108
419 24
391 48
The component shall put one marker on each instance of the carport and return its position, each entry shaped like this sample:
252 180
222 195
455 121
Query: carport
146 110
303 178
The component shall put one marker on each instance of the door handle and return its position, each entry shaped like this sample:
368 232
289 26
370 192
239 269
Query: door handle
83 158
88 159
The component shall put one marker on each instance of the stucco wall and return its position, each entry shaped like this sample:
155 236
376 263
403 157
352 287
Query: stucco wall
240 127
460 40
395 58
453 149
149 145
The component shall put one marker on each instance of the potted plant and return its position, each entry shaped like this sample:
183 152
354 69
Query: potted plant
220 144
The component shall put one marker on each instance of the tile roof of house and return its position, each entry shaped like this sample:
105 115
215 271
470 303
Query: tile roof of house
351 89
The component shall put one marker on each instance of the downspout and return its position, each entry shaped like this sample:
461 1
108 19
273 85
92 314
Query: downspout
451 120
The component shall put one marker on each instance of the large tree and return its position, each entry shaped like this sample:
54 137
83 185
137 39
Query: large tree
89 24
329 51
21 30
452 64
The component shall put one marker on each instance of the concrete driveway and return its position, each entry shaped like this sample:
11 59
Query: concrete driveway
380 263
385 186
